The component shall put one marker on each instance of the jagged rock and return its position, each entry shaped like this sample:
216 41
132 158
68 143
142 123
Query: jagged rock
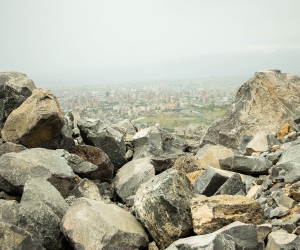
36 122
15 87
261 142
212 213
274 156
88 189
126 128
163 162
283 200
212 180
284 130
42 208
233 186
209 155
162 204
246 164
17 168
106 138
92 224
15 238
194 131
10 147
96 156
268 100
237 235
281 240
297 115
263 231
9 211
279 212
131 176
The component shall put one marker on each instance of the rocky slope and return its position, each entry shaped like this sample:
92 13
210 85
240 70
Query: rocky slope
69 183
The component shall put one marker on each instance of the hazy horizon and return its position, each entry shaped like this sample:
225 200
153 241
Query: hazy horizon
97 42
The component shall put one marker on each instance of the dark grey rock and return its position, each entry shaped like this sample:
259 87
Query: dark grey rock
288 226
274 156
232 186
297 115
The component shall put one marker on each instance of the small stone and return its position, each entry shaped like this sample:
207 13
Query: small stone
279 212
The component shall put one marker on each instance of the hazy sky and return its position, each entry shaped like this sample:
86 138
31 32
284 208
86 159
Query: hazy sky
65 38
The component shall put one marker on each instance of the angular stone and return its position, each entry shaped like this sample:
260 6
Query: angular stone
281 240
126 128
246 164
263 231
88 189
106 138
97 157
209 155
279 212
13 237
162 204
36 122
237 235
274 156
10 147
261 142
15 87
42 208
267 101
131 176
17 168
232 186
92 224
9 211
212 213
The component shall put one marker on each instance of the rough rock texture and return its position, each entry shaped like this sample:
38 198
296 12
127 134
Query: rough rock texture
9 211
88 189
213 213
267 101
237 235
281 240
126 128
10 147
131 176
17 168
15 87
209 155
251 165
261 142
96 156
42 208
36 122
106 138
92 225
15 238
162 204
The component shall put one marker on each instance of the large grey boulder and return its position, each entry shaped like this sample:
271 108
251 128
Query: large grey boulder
237 235
15 88
162 204
268 101
106 138
17 168
9 211
251 165
90 224
282 240
42 208
16 238
131 176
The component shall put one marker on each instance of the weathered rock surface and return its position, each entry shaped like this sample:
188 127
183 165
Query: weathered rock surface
88 189
17 168
267 101
251 165
42 208
15 238
36 122
212 213
237 235
9 211
10 147
15 87
92 224
95 156
162 204
126 128
109 140
281 240
261 142
131 176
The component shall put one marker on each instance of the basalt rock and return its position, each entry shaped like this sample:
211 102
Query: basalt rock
268 101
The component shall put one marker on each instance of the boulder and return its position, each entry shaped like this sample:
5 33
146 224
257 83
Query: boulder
281 240
95 156
268 101
210 155
261 142
36 122
15 87
126 128
237 235
109 140
17 168
212 213
251 165
9 211
90 224
162 204
15 238
42 208
131 176
88 189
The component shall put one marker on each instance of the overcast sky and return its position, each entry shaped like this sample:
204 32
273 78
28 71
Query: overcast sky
70 38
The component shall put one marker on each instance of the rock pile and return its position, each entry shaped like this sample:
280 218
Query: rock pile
73 183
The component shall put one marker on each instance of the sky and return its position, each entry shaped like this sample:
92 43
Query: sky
129 40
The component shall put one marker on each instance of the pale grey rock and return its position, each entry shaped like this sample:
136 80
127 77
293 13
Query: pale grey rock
126 128
9 211
281 240
261 142
88 189
9 147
